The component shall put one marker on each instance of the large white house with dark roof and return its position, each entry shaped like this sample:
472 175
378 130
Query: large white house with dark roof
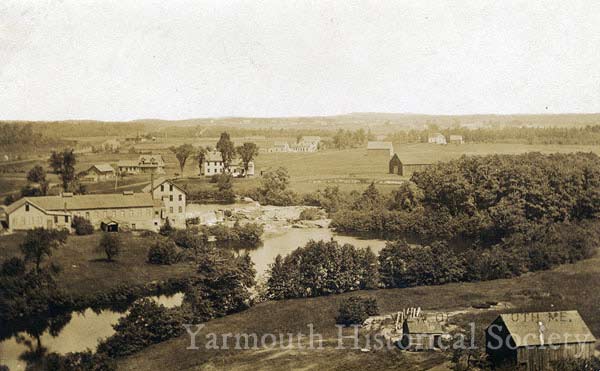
144 164
213 164
173 199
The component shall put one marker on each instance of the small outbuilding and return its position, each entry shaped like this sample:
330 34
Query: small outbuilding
532 341
109 225
396 166
421 333
456 139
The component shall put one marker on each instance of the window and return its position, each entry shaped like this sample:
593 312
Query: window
180 209
133 226
156 213
87 214
66 218
171 187
162 187
180 197
171 210
55 218
26 207
171 198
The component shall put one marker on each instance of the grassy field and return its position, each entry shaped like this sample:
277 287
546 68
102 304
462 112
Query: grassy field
85 271
568 287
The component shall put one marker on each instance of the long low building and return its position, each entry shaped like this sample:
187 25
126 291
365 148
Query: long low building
130 210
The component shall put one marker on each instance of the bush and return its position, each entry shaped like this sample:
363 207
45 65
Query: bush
110 244
82 226
163 252
355 310
166 229
13 267
147 323
81 361
310 214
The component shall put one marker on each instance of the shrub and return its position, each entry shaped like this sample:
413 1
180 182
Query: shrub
355 310
110 244
166 229
13 267
310 214
81 361
163 252
82 226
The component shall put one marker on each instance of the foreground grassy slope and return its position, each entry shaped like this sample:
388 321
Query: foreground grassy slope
568 287
85 271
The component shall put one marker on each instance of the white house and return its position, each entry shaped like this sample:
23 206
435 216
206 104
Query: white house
306 144
437 138
144 164
213 164
280 147
456 139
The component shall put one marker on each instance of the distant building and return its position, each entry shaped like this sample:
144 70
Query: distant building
279 147
213 164
456 139
531 341
98 173
380 150
145 164
306 144
437 138
174 200
133 211
396 166
110 145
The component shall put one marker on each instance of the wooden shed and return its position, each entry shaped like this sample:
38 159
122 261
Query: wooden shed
421 333
109 225
396 166
532 341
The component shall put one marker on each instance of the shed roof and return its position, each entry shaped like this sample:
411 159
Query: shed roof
539 328
424 326
380 145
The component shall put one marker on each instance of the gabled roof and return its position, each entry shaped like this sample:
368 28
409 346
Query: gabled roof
85 202
380 145
151 159
102 168
436 135
424 326
213 156
127 163
160 181
527 329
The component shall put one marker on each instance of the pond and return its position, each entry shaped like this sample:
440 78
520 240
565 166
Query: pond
82 330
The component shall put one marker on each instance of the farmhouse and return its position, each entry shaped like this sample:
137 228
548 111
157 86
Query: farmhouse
213 164
143 165
306 144
279 147
422 333
533 340
134 211
396 166
98 173
436 138
456 139
379 151
174 199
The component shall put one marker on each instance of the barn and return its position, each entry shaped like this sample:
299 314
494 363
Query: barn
396 166
531 341
379 150
421 333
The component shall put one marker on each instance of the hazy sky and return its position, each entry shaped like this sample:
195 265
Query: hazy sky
129 59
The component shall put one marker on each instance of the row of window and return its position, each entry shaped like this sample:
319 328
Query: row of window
171 198
38 221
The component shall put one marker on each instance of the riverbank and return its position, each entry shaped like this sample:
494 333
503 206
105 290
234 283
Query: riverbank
568 287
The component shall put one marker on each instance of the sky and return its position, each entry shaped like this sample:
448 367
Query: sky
131 59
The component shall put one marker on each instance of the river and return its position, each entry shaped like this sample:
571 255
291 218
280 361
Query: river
84 329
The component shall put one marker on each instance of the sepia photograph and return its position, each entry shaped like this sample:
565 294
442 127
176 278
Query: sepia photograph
299 185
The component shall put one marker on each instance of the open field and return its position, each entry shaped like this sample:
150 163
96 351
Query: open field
85 271
567 287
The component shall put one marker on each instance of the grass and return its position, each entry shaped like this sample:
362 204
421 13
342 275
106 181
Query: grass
85 271
567 287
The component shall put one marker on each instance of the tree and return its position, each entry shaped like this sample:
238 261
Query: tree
201 157
110 244
183 152
82 225
63 164
227 149
39 243
355 310
37 174
247 152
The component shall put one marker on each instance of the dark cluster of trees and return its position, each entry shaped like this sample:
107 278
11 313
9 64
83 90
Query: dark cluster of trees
322 268
14 135
344 139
